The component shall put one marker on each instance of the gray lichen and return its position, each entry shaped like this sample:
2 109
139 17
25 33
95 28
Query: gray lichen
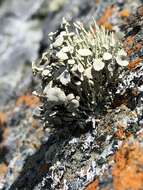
79 73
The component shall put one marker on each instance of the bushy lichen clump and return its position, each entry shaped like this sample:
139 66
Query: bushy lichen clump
79 72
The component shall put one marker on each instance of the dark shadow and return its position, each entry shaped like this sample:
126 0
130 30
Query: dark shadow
3 148
3 153
37 165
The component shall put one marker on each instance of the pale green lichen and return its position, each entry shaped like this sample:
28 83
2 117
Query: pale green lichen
79 73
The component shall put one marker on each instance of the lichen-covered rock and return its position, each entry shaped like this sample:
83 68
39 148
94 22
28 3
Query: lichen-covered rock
80 159
84 63
70 159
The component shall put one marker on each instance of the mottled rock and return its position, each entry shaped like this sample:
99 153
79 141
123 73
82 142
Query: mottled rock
19 45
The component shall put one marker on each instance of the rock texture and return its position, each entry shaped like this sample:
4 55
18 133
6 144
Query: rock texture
33 158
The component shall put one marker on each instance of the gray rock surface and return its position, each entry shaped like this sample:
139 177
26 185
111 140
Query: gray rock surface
19 43
22 9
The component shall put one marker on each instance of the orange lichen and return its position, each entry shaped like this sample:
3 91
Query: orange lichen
129 40
127 171
106 188
6 132
97 1
106 15
2 118
107 26
128 45
129 51
34 124
3 169
132 49
137 47
124 13
120 134
93 185
28 100
132 65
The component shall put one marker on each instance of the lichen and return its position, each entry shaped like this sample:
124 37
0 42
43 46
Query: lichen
27 100
79 73
127 171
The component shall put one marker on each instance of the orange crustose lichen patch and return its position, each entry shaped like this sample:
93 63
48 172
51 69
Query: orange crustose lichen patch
131 48
128 169
108 26
104 18
124 13
3 169
2 118
132 65
97 1
92 186
120 134
34 124
28 100
129 40
137 47
128 45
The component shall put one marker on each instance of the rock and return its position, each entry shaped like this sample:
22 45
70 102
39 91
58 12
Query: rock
19 45
22 9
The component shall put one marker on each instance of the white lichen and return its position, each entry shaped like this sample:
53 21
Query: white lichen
98 64
121 58
79 72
